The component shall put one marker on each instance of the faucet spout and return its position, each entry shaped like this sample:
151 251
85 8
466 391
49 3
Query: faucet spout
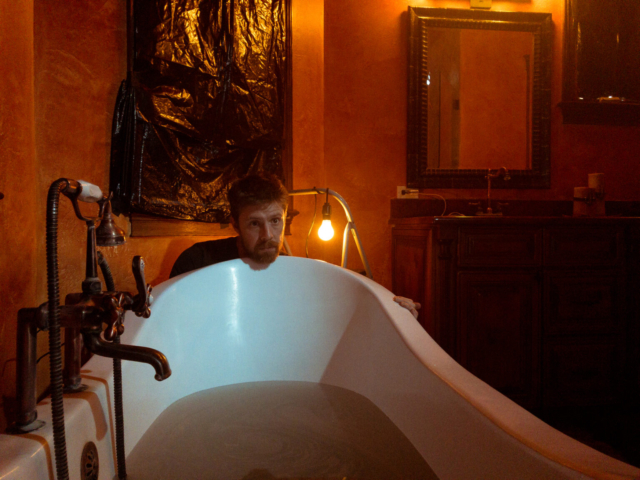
501 172
134 353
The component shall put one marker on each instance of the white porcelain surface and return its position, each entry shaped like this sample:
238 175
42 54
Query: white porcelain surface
306 320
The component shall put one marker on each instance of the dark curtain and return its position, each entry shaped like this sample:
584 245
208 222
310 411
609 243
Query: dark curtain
202 106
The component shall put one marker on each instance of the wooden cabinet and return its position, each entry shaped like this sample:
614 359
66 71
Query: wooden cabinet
498 331
542 309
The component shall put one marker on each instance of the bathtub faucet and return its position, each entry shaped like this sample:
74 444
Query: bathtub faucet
130 352
109 308
84 313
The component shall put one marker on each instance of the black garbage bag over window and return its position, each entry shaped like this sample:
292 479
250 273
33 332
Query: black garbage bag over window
203 106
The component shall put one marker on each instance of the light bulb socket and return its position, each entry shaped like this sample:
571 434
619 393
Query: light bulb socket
326 211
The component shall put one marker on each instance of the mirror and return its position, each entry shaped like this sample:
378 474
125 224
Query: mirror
479 98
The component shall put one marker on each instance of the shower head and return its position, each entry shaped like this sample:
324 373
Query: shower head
108 233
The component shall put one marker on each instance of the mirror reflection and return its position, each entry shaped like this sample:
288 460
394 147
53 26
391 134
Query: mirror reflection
479 98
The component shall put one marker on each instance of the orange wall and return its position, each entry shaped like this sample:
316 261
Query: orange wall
18 262
308 118
57 93
365 96
493 82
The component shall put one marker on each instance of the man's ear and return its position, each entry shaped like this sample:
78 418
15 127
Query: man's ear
235 225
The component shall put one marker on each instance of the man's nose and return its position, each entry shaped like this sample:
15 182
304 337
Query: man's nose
266 233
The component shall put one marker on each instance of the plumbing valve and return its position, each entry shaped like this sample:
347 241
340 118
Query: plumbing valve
141 301
89 312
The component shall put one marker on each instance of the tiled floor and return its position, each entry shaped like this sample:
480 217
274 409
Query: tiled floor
614 431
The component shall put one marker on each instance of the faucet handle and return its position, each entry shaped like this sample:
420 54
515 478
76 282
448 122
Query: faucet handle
114 304
141 301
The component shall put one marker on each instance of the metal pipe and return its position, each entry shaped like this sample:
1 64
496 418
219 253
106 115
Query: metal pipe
345 244
26 371
117 380
350 225
91 284
129 352
72 360
323 191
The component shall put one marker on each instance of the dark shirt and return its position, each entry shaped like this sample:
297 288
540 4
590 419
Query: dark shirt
204 254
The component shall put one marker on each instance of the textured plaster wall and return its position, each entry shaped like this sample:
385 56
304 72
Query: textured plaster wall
62 63
365 72
308 119
80 60
57 94
18 262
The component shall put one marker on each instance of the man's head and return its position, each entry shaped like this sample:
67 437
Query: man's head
258 209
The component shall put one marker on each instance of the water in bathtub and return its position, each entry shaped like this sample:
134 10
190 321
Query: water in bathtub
275 430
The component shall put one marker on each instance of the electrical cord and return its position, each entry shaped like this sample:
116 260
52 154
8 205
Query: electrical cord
45 354
37 361
4 367
315 211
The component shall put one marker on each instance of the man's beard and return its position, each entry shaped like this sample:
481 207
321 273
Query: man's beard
264 256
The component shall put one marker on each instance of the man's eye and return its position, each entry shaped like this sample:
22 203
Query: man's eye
275 221
253 224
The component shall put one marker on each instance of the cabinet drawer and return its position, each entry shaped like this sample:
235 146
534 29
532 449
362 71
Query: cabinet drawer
584 302
589 246
492 247
585 371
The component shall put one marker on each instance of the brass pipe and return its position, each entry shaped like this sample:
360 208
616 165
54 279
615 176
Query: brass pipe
129 352
26 371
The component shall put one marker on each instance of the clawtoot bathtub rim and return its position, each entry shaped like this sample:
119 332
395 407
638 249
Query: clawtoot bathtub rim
517 438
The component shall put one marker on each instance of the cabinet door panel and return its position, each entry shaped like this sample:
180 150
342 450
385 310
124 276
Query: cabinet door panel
584 302
499 327
582 371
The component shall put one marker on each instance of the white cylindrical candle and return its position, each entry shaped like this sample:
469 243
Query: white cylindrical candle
582 192
596 181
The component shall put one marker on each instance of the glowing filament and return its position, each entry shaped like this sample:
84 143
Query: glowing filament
325 232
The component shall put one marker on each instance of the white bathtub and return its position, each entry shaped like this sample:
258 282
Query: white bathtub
304 320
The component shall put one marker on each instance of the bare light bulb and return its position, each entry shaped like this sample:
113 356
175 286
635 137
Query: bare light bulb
325 232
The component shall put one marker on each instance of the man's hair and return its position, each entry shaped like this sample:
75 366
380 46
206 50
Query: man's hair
256 189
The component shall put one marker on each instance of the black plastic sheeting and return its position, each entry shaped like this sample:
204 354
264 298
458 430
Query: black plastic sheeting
203 106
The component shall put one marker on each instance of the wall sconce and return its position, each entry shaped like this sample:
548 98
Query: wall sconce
326 227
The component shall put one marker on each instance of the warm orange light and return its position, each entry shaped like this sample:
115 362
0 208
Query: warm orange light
325 232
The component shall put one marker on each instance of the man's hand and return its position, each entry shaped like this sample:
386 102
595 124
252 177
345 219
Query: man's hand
409 304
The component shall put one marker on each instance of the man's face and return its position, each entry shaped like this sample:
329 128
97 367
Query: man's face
261 230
